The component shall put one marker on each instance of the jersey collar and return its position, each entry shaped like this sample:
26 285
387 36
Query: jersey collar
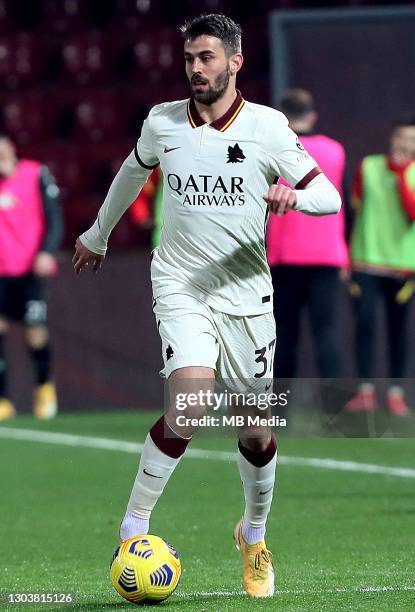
223 122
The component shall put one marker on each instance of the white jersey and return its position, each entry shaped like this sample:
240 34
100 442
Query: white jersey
212 243
215 175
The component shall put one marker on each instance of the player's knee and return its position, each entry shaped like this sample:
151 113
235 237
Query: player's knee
36 312
183 416
191 393
37 336
255 438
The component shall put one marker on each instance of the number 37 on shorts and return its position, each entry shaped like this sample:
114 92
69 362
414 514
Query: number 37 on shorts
194 334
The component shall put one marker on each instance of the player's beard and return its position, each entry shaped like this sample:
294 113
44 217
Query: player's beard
215 92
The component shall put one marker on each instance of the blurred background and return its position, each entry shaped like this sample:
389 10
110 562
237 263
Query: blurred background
77 78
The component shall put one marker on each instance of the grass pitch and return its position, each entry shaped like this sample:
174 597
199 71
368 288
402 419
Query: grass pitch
341 539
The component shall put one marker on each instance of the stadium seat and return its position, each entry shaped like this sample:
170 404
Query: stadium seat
99 116
88 59
157 57
23 60
138 9
159 92
62 17
228 7
6 21
109 158
132 18
74 168
79 214
29 117
17 15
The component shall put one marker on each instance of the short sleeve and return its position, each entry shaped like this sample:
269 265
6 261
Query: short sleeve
288 157
144 149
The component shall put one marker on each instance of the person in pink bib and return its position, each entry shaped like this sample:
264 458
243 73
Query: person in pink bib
30 234
306 254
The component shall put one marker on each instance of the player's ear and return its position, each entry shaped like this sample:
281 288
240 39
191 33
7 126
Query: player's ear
235 62
313 118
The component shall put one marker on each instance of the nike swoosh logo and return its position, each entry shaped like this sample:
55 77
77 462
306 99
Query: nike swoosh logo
153 475
265 492
167 150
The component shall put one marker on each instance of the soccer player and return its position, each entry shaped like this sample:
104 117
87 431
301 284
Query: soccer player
220 156
30 234
383 263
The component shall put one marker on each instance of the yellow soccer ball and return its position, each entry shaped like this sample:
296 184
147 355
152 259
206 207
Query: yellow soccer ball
145 569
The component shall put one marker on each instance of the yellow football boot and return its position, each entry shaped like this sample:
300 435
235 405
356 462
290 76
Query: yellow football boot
45 401
258 568
7 410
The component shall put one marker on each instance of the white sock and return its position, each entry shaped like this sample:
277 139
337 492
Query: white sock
154 471
258 484
132 524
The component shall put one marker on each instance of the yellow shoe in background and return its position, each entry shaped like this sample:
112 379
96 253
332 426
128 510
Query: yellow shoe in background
7 410
45 401
258 569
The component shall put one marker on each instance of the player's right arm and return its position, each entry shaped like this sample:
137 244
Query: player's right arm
91 246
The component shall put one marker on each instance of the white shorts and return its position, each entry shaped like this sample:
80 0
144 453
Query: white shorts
239 349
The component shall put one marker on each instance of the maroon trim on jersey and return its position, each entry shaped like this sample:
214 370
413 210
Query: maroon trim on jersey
259 458
309 177
140 161
194 117
219 124
173 445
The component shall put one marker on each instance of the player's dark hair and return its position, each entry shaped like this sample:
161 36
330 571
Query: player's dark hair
220 26
405 120
296 103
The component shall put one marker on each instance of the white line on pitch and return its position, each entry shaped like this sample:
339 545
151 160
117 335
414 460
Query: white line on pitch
64 439
364 589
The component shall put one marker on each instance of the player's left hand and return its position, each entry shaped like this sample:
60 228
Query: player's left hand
83 257
280 199
44 265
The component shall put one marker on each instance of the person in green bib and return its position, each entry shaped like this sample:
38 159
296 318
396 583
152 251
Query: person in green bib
382 253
